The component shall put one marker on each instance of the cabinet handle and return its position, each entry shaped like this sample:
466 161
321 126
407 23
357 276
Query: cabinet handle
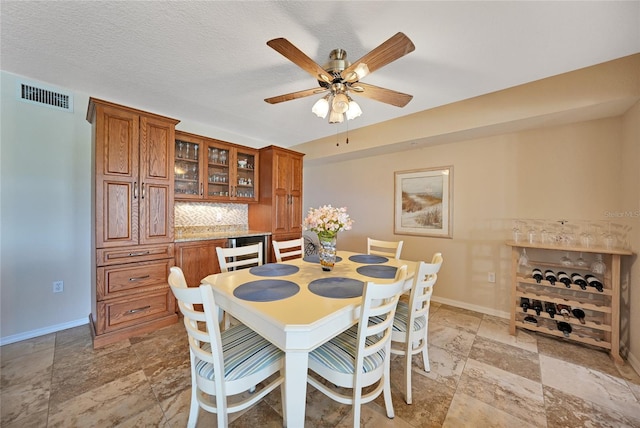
135 190
144 308
201 189
140 253
140 278
142 191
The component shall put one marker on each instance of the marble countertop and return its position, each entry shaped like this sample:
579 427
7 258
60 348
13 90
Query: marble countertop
188 235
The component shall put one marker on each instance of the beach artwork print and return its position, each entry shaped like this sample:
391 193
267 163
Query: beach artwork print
423 202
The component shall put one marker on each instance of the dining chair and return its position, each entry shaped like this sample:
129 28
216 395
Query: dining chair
288 249
359 356
390 249
415 313
239 257
223 364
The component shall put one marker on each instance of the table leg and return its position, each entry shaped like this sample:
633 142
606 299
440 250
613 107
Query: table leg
295 387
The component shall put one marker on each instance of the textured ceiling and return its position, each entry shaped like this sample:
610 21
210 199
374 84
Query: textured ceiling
208 62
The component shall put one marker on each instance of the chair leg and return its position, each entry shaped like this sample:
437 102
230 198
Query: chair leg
407 374
283 397
388 404
194 408
356 405
425 358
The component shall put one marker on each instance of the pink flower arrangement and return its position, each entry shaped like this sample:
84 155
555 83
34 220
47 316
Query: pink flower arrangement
327 220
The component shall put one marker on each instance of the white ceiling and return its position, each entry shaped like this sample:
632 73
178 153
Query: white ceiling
208 62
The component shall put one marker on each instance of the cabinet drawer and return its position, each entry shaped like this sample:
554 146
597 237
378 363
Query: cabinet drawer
131 278
138 253
117 314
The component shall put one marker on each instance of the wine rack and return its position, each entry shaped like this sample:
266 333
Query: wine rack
600 326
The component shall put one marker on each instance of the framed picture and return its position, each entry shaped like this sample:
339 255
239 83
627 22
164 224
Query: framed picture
423 201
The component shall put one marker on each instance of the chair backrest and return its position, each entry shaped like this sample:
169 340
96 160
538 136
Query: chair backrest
288 249
384 248
379 302
422 288
239 257
202 327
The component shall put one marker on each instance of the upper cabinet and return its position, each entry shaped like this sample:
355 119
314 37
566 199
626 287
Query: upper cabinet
134 175
213 170
280 206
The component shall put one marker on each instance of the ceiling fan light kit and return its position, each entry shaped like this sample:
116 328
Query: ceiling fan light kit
339 77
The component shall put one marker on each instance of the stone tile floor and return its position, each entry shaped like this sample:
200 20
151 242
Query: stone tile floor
480 377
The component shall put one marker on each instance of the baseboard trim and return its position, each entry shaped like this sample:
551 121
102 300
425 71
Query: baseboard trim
41 331
633 362
475 308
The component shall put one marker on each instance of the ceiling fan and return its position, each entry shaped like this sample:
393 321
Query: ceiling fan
339 77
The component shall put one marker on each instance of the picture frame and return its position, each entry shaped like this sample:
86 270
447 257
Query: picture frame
423 201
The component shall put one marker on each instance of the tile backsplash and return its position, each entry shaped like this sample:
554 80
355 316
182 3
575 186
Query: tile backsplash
224 216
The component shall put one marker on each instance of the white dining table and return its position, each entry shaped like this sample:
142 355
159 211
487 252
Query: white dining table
303 321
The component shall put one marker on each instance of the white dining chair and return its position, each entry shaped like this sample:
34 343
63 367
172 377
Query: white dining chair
359 357
390 249
239 257
223 364
288 249
410 341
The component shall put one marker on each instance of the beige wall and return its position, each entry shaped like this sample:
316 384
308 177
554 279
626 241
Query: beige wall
630 323
546 173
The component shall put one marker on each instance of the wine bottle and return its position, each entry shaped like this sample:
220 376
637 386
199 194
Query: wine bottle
550 276
564 278
563 310
564 327
537 275
592 281
525 303
537 306
578 313
576 278
550 308
530 320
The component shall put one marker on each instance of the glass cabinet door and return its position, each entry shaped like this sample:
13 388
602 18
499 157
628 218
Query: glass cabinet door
187 169
218 175
245 176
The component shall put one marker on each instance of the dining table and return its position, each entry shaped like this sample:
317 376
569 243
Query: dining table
298 306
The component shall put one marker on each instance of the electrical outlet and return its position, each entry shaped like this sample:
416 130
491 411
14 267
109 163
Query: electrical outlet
491 277
58 286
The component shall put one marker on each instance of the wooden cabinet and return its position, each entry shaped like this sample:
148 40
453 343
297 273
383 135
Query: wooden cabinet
279 208
213 170
601 324
198 259
133 191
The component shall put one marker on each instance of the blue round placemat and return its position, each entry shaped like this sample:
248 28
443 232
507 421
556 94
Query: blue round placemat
274 269
266 290
337 288
375 271
314 258
368 258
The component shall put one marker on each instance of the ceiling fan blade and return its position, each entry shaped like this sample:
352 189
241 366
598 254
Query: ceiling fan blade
295 55
295 95
395 47
377 93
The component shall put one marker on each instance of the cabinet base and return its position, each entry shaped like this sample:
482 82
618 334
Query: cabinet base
112 337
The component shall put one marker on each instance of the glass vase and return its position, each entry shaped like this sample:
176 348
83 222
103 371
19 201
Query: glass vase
327 250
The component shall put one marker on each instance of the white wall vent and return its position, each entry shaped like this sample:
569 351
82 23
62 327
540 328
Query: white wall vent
37 93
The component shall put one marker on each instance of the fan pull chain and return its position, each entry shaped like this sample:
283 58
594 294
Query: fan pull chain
346 141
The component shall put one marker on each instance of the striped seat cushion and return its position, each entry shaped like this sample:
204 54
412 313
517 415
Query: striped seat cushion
244 351
339 353
402 318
